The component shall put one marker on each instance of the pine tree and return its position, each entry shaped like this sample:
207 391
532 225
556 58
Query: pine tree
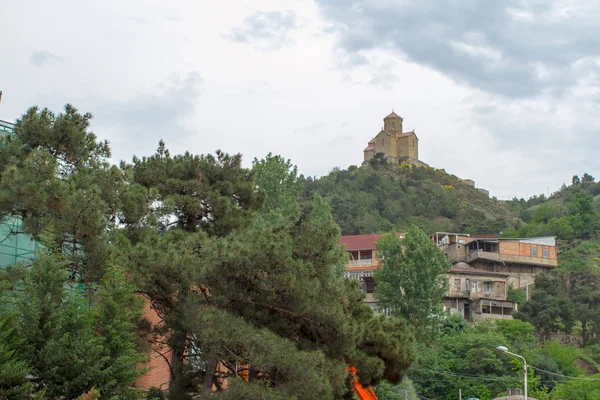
268 296
72 344
13 369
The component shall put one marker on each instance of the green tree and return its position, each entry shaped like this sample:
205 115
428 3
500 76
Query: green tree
236 292
378 160
279 180
411 280
13 369
54 171
578 389
549 309
587 178
402 391
73 345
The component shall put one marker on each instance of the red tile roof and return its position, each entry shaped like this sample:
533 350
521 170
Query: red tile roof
393 115
362 242
369 148
359 242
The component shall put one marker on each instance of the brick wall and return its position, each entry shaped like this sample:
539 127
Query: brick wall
509 247
158 374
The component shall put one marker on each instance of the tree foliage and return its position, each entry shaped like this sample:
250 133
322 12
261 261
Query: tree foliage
383 197
411 281
253 278
69 344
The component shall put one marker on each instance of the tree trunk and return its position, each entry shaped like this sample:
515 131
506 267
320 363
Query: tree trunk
178 384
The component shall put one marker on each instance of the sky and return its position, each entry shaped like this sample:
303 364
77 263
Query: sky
506 93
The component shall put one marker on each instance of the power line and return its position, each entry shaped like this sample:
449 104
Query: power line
564 376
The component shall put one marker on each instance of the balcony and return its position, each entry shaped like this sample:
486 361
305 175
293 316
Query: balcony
486 255
367 262
509 258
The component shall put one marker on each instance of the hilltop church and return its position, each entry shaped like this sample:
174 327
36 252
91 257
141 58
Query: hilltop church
398 147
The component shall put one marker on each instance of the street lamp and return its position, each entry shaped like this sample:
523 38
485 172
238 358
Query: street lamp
505 350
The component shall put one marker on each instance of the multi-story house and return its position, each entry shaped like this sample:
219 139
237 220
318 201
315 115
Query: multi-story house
484 267
520 259
362 261
497 264
477 294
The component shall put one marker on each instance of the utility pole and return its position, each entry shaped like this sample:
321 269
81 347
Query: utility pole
459 394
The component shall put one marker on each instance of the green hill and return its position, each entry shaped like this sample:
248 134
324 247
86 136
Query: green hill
377 198
572 214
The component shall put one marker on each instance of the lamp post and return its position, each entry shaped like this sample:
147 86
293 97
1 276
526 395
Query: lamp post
505 350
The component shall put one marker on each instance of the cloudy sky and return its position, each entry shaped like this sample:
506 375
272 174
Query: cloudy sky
502 92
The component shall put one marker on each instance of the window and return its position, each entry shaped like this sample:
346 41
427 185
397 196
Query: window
488 287
393 126
474 286
533 251
383 142
490 268
545 252
457 285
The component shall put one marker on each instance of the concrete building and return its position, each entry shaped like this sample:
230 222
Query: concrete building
397 146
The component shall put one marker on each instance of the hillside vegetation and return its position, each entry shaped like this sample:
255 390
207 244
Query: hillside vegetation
379 197
572 214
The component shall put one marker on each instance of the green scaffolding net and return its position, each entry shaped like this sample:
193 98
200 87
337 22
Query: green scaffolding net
15 246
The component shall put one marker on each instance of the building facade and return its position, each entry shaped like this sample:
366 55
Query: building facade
484 267
477 295
362 262
398 147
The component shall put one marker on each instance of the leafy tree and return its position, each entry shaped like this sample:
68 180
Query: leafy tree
548 309
402 391
587 178
279 179
576 180
516 295
578 389
378 160
411 280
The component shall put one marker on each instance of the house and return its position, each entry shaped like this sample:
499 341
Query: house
398 147
484 267
478 295
520 259
362 261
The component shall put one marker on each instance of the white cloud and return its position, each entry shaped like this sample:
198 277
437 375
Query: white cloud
506 95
